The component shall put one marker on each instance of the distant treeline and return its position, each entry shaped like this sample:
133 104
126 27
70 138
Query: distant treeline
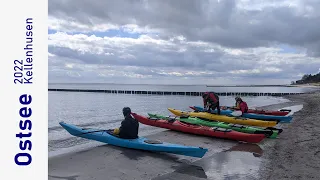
308 78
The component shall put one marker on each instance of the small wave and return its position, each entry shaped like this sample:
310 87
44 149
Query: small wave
59 128
66 143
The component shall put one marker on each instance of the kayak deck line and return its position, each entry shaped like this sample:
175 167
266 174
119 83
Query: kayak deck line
179 93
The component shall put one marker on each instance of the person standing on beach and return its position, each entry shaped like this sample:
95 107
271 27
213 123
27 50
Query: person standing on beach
129 126
211 101
241 105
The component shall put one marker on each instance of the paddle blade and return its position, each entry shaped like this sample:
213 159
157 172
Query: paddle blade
192 107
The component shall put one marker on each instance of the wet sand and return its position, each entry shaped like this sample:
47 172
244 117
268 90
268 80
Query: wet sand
294 155
110 162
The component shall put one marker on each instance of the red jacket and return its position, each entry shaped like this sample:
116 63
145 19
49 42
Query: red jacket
243 107
212 98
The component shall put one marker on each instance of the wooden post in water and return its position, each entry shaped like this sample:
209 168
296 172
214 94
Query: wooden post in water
171 93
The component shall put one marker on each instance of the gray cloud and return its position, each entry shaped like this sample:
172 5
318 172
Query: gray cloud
220 22
153 58
234 31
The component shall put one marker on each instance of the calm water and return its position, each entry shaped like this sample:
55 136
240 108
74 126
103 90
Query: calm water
192 88
102 110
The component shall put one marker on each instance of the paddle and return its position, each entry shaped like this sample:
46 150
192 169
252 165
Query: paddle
95 131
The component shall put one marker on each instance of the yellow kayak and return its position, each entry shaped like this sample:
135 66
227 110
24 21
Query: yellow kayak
223 118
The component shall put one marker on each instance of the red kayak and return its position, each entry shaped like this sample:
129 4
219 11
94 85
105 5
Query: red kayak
200 130
282 112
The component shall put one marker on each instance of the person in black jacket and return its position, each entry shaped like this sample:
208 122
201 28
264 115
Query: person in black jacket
129 126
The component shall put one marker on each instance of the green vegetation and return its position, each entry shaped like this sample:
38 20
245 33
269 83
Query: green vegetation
308 79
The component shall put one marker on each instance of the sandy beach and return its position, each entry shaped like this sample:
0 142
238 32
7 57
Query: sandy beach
316 85
294 155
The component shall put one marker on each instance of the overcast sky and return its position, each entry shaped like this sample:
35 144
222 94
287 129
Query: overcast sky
183 41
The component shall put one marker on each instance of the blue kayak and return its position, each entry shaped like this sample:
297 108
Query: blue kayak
282 119
139 143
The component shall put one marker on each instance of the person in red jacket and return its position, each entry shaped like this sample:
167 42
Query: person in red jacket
241 105
211 101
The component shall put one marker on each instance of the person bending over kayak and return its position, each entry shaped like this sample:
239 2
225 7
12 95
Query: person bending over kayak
129 126
241 105
211 101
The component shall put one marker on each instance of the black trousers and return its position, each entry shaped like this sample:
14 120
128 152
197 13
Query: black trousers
215 106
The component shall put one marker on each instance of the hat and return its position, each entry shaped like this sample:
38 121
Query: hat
126 111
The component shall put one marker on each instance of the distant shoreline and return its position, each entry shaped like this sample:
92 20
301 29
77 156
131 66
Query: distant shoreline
279 85
294 85
249 86
307 85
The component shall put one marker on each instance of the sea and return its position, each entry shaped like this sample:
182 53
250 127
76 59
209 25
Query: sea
104 111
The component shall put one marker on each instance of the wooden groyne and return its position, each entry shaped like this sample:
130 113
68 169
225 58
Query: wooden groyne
174 92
